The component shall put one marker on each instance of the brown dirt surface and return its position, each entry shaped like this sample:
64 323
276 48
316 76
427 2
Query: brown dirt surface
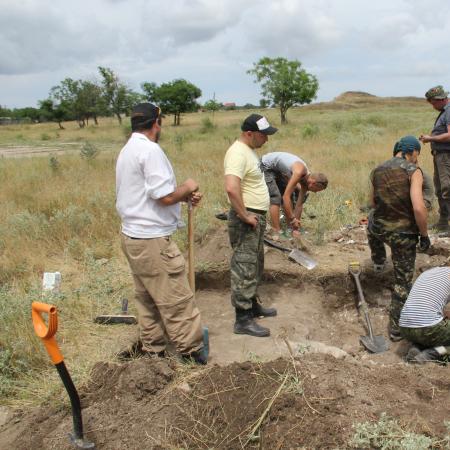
303 387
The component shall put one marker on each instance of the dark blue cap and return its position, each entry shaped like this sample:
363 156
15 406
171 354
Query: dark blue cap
408 144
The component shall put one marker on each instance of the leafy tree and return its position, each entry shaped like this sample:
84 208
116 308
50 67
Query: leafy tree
175 97
91 101
52 111
117 95
149 89
212 105
5 112
68 95
284 83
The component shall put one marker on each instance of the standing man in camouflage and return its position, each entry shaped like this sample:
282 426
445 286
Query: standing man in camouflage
440 149
249 198
398 218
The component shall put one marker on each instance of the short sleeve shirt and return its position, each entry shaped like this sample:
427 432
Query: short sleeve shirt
281 162
144 175
441 127
243 162
429 295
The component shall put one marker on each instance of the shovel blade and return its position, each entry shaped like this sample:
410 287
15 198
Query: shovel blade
116 319
303 259
377 344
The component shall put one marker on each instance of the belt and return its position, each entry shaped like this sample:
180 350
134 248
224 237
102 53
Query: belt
257 211
167 238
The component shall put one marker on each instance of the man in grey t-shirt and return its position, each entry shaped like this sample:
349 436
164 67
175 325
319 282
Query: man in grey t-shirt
286 173
440 148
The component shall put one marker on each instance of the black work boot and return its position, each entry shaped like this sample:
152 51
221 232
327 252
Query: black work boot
245 324
258 309
198 357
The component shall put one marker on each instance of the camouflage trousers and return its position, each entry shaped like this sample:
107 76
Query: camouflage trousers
247 262
427 337
403 253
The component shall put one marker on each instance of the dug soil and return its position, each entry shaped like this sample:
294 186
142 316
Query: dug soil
303 387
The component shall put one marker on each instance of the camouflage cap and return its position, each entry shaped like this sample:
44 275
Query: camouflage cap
436 93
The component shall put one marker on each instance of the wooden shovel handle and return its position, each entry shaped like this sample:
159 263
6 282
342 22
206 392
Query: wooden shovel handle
191 246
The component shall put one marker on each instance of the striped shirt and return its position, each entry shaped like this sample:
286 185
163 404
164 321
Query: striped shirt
427 299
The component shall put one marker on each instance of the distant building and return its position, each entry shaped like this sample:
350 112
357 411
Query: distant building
229 105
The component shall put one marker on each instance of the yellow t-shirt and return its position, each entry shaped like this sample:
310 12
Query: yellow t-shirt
242 161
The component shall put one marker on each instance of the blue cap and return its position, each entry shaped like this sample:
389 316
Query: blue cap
408 144
395 150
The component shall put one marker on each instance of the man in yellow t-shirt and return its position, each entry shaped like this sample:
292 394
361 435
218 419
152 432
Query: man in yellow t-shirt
249 199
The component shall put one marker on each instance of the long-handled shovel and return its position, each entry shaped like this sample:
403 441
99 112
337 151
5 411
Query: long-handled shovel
191 273
375 344
47 335
191 246
294 254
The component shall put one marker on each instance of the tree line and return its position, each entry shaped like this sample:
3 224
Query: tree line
284 84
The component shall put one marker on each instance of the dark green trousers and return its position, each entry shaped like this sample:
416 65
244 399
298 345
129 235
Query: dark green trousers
427 337
247 262
403 252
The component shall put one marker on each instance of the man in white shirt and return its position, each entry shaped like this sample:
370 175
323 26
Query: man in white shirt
148 202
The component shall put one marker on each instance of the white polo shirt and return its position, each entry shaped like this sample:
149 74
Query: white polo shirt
144 175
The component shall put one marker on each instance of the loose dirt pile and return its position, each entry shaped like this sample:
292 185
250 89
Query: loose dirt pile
304 387
314 400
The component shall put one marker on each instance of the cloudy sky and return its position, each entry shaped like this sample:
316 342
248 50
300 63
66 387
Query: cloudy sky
387 47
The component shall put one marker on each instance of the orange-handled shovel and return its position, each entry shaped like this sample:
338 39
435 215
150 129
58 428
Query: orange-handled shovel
47 334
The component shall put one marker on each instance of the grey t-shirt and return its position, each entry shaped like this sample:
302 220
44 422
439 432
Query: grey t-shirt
441 127
281 162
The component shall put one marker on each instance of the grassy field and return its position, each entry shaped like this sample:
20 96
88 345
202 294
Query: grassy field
58 213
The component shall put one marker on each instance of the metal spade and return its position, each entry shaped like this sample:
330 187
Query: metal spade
294 254
375 344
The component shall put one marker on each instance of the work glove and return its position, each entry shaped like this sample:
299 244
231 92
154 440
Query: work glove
424 243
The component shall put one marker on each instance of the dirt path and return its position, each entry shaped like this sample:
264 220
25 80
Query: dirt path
28 150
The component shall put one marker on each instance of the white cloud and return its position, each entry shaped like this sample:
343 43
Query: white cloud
390 46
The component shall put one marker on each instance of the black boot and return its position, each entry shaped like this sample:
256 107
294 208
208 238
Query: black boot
258 309
198 357
245 324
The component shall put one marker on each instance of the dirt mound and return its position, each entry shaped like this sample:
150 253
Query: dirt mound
309 402
284 391
353 96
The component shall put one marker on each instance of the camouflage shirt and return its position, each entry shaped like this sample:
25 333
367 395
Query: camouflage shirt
391 186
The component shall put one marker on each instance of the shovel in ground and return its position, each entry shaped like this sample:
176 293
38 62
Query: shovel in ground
294 254
375 344
47 334
113 319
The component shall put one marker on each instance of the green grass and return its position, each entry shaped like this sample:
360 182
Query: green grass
58 212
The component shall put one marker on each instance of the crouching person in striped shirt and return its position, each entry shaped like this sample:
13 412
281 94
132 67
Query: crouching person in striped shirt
423 320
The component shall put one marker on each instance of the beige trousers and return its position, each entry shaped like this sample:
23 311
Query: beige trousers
164 300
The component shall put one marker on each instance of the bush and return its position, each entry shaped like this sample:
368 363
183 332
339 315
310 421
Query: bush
388 434
45 137
89 151
207 125
310 130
